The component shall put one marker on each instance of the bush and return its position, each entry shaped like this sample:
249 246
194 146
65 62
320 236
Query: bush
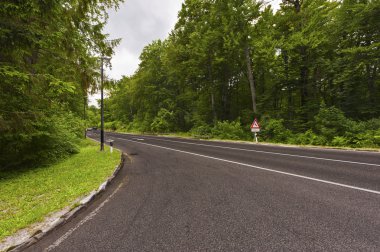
163 122
331 122
201 131
109 126
376 138
274 130
229 130
41 139
308 138
141 123
365 138
114 125
373 124
339 141
338 130
368 134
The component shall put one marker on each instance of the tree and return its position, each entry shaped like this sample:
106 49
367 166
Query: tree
47 62
231 60
357 61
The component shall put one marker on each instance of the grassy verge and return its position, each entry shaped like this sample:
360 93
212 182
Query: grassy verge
188 135
27 196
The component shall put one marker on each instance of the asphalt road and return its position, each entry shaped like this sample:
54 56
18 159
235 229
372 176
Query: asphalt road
188 195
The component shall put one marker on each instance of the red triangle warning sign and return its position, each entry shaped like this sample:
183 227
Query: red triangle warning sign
255 124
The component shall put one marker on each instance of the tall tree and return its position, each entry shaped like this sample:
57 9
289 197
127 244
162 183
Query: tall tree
233 59
47 62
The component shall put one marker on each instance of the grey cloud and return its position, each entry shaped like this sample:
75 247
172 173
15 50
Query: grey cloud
139 22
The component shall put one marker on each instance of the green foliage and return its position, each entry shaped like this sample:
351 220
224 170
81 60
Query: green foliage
341 131
229 130
112 126
221 130
40 140
331 122
274 130
201 131
47 67
221 54
92 117
163 122
339 141
363 134
331 128
308 138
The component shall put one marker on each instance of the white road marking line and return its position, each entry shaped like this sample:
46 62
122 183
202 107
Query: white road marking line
269 152
261 168
87 218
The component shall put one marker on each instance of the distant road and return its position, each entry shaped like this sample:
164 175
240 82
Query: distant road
189 195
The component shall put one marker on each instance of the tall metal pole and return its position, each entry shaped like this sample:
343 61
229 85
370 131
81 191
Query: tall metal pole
101 109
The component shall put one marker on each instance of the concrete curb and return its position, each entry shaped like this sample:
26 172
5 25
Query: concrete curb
66 216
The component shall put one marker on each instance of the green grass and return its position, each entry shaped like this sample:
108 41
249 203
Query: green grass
188 135
27 196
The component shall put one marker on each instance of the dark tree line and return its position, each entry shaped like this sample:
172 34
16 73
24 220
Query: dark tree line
231 60
48 63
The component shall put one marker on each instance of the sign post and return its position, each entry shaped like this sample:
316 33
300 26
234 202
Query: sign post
111 145
255 128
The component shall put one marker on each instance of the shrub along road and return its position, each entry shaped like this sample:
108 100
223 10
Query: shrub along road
189 195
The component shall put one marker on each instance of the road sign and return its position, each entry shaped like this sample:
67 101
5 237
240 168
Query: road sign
255 127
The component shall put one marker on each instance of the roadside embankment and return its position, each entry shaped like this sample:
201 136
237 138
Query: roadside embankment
29 196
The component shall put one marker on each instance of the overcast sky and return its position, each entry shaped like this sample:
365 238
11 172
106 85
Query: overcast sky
137 23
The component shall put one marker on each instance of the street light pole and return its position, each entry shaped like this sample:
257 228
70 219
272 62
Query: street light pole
102 101
101 108
101 95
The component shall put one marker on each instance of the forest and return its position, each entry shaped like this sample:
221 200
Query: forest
49 62
308 71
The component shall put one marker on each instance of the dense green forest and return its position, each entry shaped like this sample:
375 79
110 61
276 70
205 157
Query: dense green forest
49 61
309 71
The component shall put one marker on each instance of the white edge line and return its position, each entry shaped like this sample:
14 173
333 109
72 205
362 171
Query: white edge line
269 152
87 218
261 168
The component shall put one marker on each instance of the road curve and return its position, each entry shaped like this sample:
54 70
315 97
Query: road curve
190 195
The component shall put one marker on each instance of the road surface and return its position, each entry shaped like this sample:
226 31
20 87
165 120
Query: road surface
189 195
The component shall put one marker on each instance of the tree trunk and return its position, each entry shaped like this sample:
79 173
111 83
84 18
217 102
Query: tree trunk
304 72
214 117
371 81
213 107
288 88
250 79
225 97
